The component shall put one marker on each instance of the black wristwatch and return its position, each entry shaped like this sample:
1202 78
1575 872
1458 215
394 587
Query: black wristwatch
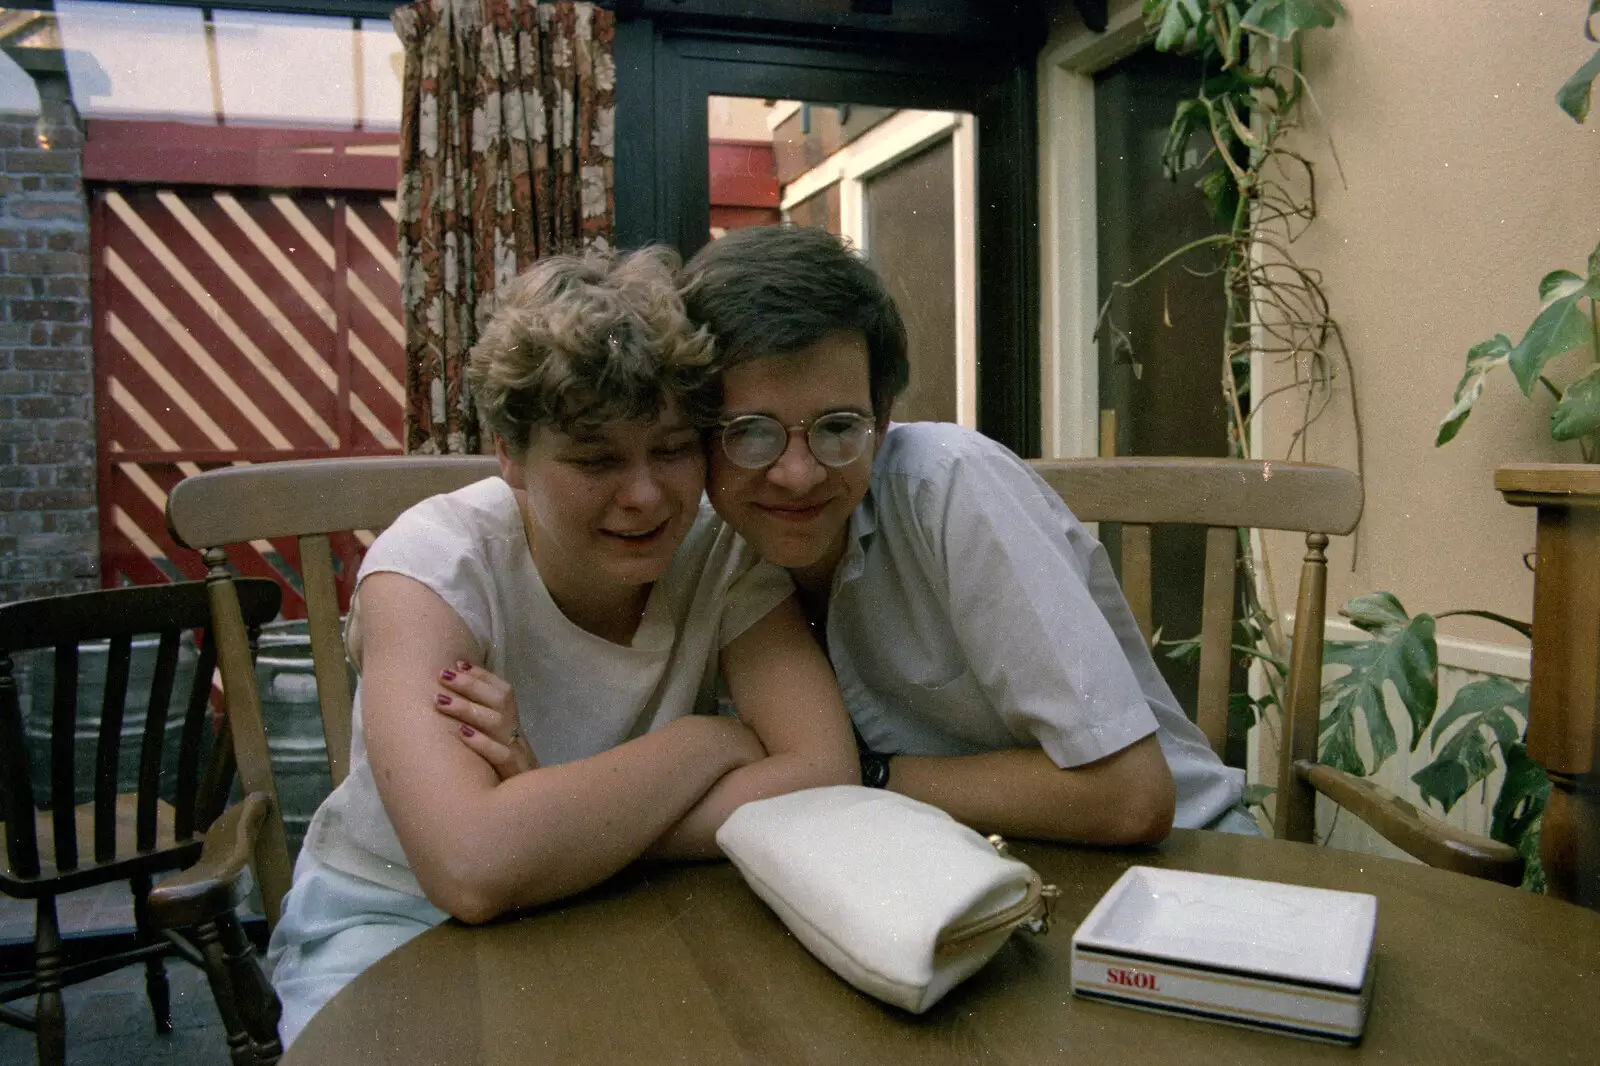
874 769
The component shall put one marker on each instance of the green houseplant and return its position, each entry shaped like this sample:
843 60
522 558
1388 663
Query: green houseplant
1568 320
1480 731
1251 85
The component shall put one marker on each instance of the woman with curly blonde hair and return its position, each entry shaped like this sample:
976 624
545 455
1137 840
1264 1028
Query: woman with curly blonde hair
538 651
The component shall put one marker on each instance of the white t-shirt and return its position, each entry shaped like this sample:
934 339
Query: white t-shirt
577 694
972 612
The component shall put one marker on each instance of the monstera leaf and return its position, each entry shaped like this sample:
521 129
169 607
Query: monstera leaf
1189 120
1173 21
1282 19
1480 361
1578 413
1573 96
1222 195
1562 326
1522 797
1255 795
1565 323
1483 711
1245 710
1401 653
1376 612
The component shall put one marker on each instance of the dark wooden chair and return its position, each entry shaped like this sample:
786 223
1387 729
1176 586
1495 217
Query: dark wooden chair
307 500
60 845
1224 496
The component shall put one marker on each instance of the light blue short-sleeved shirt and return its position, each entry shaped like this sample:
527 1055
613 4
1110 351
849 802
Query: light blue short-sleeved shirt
972 612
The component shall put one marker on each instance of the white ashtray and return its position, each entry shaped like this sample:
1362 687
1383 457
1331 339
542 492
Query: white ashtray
1284 958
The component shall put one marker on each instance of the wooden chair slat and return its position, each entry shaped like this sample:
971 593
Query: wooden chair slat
63 727
1136 575
1216 636
124 819
292 499
16 786
1296 816
273 870
327 651
212 798
109 746
155 728
1207 492
196 711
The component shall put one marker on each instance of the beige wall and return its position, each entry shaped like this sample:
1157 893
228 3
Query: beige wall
1466 184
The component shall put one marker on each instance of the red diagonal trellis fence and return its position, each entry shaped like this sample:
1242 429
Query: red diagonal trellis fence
237 321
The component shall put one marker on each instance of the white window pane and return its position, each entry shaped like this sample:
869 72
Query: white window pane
285 69
135 60
382 65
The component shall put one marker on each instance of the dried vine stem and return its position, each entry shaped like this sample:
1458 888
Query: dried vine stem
1248 104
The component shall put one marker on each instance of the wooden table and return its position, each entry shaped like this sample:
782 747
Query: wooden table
686 965
1564 702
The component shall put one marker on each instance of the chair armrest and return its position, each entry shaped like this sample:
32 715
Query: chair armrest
1415 831
216 883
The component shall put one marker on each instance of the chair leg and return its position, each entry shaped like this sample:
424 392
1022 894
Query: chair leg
156 989
258 1003
241 1051
50 1018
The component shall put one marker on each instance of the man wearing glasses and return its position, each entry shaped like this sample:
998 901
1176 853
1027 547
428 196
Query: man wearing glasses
984 650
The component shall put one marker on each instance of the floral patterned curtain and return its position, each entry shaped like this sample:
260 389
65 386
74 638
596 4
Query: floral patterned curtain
505 157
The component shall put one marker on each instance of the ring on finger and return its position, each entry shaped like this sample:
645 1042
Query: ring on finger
515 733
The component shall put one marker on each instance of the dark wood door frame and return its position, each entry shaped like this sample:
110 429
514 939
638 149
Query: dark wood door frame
665 74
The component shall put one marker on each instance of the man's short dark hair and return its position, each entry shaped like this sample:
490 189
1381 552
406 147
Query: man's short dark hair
773 290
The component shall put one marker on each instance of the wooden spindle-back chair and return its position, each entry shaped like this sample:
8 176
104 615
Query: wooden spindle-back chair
1225 496
308 500
54 843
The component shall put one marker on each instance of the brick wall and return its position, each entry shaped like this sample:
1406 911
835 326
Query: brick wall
49 524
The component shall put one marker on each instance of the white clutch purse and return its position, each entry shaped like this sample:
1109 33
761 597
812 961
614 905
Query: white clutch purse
894 895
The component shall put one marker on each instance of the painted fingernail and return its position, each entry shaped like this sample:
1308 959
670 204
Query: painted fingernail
467 731
442 700
448 675
463 665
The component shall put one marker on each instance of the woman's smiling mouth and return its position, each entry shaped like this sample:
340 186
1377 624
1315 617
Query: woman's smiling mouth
641 536
791 513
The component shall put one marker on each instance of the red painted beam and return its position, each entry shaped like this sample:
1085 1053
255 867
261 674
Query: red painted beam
249 455
180 153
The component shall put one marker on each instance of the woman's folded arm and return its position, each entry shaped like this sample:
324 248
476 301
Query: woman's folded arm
784 690
480 846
